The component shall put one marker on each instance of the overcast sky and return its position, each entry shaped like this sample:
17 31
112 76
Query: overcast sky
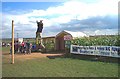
88 16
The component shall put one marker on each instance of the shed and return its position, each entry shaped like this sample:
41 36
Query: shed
60 43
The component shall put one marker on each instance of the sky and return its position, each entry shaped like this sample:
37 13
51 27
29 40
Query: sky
92 17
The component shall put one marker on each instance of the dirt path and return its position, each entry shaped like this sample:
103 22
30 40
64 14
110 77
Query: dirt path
31 56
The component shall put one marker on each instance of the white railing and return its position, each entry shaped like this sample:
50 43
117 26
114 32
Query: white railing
111 51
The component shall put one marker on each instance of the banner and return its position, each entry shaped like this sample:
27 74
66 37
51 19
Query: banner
112 51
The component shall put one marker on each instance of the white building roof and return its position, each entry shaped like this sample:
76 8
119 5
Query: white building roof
73 34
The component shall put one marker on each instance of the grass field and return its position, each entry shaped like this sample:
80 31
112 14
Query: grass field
57 67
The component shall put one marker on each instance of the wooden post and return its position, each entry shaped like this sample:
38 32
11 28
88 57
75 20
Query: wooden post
12 41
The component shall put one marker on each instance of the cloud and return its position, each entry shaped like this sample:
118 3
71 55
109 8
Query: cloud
106 32
90 26
70 10
72 15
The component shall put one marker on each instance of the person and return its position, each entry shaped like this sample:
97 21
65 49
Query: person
15 47
25 48
19 46
33 47
28 47
22 47
40 26
39 31
11 48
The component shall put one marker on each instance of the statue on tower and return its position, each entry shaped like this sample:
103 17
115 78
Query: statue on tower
40 26
39 33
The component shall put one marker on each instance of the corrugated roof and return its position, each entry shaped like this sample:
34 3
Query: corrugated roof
74 34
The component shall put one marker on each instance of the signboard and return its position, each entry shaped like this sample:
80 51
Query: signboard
67 37
112 51
20 40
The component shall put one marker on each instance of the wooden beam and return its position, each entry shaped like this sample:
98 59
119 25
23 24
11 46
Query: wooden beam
12 41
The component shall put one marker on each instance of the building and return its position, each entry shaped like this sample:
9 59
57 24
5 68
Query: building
49 43
59 39
48 39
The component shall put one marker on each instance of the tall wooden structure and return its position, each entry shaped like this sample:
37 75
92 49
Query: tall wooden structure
12 41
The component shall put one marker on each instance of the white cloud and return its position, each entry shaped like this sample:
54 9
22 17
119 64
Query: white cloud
97 31
80 9
69 10
66 12
106 32
101 32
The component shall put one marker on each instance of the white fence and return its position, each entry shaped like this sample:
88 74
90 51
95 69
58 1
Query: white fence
111 51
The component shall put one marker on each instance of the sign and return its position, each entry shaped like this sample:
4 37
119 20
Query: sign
20 40
67 37
111 51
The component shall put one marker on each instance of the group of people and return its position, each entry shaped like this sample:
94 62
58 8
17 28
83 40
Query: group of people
24 47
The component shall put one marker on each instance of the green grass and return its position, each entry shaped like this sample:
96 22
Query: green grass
5 49
0 48
58 67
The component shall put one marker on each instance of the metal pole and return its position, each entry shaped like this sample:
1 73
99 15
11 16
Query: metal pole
12 41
